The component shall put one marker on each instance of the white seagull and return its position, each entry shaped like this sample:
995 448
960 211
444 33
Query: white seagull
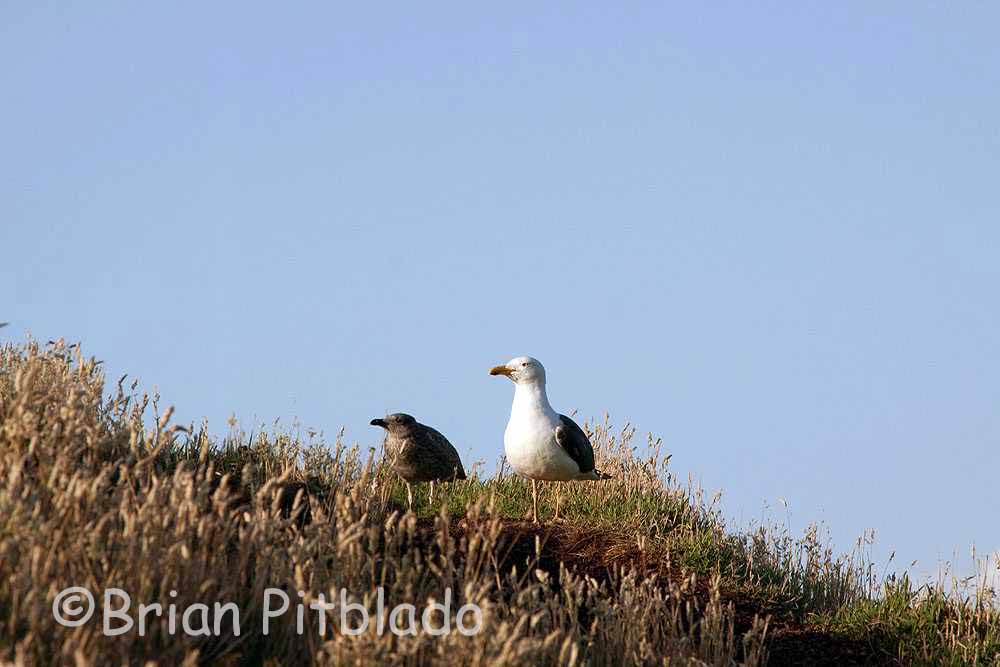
540 443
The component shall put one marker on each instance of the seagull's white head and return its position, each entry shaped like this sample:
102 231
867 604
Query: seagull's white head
522 370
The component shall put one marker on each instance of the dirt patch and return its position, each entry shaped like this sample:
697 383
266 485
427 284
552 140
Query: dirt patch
600 552
803 646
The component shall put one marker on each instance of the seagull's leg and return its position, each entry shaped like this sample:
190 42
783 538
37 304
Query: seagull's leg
431 498
534 500
558 498
409 495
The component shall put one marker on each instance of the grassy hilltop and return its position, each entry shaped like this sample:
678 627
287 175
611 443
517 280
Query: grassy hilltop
99 489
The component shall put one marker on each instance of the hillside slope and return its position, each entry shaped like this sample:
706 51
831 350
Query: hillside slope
99 490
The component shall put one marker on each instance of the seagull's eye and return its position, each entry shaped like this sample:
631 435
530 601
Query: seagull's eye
524 365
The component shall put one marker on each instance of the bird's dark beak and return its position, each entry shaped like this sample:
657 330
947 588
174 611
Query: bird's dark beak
500 370
378 422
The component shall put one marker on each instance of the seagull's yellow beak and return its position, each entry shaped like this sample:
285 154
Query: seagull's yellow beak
501 370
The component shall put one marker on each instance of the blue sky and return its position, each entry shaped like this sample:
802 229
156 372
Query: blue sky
770 235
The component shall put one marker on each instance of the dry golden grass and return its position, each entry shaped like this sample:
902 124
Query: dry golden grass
89 497
103 491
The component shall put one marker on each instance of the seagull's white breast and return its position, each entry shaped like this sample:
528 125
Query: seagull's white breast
529 440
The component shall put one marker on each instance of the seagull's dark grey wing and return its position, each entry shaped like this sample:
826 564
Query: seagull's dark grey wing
576 443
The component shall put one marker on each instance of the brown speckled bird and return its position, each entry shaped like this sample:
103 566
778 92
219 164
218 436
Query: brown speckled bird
419 453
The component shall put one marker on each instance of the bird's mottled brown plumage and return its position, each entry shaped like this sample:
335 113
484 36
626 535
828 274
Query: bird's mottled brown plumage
419 453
